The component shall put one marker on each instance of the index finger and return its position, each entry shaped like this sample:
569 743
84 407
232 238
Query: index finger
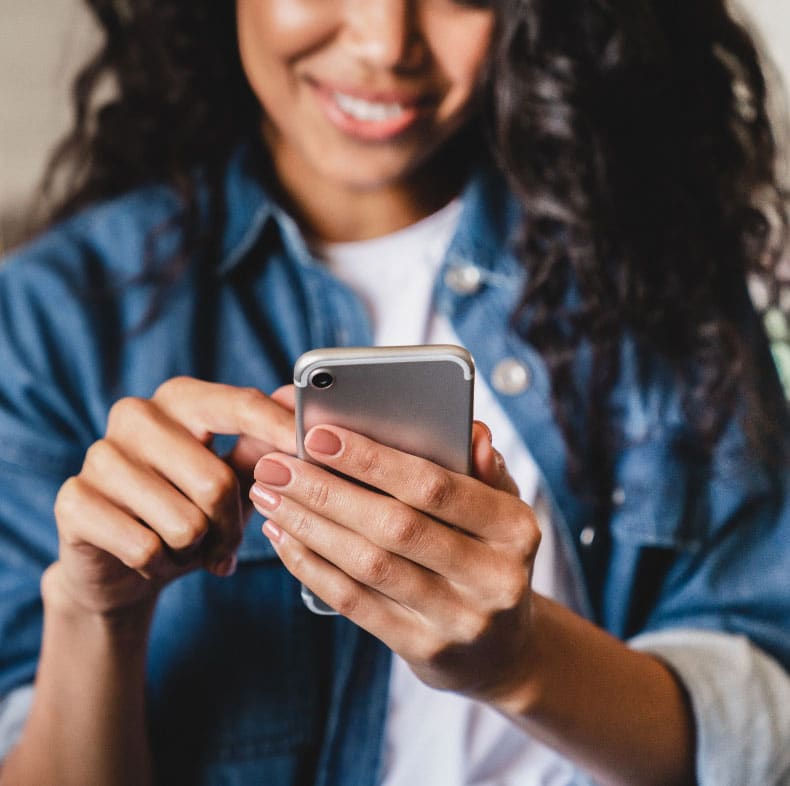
451 497
208 408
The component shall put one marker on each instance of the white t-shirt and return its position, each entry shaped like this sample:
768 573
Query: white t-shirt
435 737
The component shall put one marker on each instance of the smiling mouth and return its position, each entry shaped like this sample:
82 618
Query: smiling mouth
371 116
368 111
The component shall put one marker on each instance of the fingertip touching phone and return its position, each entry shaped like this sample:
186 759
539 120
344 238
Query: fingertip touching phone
417 399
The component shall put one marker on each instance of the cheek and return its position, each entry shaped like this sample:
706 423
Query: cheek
461 50
284 29
253 43
273 35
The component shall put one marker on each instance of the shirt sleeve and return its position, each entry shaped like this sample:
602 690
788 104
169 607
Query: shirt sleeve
14 709
740 698
43 433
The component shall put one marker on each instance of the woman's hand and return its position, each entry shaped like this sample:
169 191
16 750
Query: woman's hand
153 502
439 570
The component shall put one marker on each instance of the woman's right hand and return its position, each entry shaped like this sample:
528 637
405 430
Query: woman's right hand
152 500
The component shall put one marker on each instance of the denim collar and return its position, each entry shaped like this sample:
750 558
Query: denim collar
490 213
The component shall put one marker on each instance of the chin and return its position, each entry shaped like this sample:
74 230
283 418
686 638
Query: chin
368 178
360 173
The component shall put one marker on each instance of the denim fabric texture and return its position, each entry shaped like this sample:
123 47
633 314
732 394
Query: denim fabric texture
245 684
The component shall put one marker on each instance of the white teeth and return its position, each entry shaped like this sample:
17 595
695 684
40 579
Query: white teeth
367 110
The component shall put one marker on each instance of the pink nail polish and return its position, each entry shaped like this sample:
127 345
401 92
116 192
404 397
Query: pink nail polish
272 531
264 497
272 473
319 440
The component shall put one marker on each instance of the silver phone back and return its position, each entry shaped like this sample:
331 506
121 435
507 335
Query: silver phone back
418 399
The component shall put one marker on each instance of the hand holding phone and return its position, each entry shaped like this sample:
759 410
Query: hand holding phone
435 563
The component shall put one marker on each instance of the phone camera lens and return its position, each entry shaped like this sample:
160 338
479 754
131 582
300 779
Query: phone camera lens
322 380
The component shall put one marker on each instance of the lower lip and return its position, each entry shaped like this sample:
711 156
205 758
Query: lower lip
366 130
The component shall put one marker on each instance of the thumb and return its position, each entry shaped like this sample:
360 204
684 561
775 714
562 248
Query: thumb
488 465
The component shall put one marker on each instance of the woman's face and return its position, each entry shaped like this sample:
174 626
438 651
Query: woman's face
360 93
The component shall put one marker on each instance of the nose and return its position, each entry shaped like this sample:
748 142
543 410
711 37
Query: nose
384 33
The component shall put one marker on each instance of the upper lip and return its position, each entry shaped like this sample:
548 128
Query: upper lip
374 95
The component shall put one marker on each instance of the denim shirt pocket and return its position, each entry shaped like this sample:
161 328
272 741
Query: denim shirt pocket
654 502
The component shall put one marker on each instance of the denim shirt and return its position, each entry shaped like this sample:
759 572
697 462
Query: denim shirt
245 685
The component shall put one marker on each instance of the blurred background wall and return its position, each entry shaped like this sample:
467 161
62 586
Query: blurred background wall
43 41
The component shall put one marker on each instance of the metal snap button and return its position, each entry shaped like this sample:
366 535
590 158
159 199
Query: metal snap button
510 377
587 536
463 279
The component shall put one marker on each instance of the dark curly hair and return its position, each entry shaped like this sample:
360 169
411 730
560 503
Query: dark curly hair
635 133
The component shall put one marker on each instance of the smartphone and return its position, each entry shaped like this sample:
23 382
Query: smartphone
418 399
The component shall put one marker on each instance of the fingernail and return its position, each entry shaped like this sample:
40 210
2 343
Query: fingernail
327 443
265 497
227 566
272 531
272 472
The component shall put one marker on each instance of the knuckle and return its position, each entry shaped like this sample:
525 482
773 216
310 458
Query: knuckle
435 490
129 408
68 504
374 567
367 461
294 559
192 527
249 398
245 402
471 628
317 495
144 553
301 523
402 529
345 601
69 497
440 650
171 388
526 534
512 588
218 487
99 457
535 538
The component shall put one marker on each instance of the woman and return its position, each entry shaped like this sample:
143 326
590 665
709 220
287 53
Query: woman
285 175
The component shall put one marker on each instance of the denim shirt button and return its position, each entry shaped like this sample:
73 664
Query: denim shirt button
510 377
463 279
618 496
587 536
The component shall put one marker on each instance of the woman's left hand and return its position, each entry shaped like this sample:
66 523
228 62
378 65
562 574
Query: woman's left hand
439 570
